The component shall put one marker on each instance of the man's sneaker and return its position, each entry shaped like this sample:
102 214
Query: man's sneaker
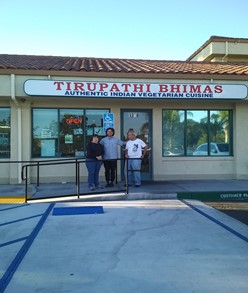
111 184
107 185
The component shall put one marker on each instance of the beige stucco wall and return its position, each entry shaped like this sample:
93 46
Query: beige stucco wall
164 168
241 140
215 51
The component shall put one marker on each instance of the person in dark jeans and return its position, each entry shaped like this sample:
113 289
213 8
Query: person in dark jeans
94 154
110 145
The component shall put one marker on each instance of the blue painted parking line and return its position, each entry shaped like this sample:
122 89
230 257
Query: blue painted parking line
216 221
20 220
13 241
22 252
15 207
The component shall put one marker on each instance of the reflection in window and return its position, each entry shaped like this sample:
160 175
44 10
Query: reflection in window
4 132
173 132
219 126
197 132
197 129
45 132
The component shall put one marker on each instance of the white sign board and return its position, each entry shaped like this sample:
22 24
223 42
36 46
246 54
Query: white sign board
130 90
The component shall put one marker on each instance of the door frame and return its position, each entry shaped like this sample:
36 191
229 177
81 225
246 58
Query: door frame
149 175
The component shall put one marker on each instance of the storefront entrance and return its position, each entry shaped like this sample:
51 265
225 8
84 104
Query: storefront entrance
141 122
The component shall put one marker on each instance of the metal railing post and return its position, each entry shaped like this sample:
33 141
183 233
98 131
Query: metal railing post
76 172
38 174
78 178
127 183
116 172
26 184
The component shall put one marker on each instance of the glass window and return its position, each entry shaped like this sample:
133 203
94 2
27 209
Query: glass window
220 132
173 133
65 132
94 123
197 132
197 129
45 132
71 133
4 132
219 126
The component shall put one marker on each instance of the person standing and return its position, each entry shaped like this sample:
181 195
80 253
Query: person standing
94 155
110 145
134 152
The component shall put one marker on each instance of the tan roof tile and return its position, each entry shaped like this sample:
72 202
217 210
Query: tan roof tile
53 63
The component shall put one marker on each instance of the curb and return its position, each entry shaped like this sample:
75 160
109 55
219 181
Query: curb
14 199
146 195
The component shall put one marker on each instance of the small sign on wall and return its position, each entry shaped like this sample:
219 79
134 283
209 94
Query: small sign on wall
133 115
108 121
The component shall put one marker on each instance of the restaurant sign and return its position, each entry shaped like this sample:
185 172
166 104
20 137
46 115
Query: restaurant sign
134 90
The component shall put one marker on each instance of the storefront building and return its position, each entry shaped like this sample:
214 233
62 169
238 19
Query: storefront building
192 114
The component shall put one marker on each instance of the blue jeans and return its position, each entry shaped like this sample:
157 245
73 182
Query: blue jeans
134 166
93 167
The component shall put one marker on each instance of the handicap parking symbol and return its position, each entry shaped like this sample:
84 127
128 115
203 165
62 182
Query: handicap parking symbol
108 117
108 121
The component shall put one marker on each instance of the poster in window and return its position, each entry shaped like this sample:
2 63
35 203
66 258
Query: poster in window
68 139
78 131
48 148
99 131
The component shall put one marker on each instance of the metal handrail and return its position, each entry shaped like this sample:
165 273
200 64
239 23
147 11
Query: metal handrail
51 162
24 172
41 162
77 162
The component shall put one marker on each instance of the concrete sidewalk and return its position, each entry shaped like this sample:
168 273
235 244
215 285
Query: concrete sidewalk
134 246
188 189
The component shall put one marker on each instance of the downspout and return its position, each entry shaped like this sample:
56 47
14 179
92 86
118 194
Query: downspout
19 125
226 54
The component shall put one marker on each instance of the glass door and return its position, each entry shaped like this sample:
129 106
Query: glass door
141 122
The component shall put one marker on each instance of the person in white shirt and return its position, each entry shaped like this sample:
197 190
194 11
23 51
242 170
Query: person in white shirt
134 152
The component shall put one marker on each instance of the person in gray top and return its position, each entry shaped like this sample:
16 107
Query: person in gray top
110 145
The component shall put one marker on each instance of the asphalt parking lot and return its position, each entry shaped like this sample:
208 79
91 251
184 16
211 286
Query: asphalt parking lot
237 210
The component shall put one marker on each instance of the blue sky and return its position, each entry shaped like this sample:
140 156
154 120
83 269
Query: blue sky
136 29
